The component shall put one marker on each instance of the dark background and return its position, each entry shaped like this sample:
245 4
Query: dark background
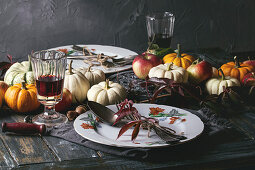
27 25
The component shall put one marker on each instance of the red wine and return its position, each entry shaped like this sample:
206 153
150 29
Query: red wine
162 40
49 85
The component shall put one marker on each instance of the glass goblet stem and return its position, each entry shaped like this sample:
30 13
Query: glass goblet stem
50 113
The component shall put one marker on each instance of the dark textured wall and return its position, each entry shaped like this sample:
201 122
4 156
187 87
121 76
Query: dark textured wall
27 25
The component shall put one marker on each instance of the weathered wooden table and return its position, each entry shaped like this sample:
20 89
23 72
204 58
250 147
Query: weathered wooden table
43 152
231 150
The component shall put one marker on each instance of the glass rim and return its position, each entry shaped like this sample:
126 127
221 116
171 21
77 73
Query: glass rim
160 15
60 52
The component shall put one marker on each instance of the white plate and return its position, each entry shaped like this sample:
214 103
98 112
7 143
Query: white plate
188 125
107 50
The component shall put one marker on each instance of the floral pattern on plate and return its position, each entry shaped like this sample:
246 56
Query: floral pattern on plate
187 124
107 50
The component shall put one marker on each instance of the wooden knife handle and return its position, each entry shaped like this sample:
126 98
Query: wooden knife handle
23 128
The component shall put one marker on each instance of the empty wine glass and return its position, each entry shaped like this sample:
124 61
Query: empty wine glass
49 70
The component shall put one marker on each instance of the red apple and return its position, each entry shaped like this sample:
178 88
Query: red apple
250 62
199 71
66 101
143 63
249 79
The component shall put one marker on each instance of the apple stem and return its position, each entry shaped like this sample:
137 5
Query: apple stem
106 84
179 50
237 64
70 67
222 74
169 66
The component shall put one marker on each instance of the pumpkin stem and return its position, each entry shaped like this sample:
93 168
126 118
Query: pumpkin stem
23 85
237 64
70 67
179 50
222 74
169 66
30 64
106 84
89 68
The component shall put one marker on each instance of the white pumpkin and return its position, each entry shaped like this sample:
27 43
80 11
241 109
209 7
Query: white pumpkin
19 72
170 71
94 76
106 93
77 84
217 85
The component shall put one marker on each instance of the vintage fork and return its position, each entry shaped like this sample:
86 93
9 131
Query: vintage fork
124 60
164 133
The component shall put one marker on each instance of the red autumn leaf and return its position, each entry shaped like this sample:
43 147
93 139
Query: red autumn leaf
4 66
125 112
136 131
126 127
181 91
170 86
10 58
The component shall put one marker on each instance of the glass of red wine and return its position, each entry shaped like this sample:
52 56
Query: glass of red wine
160 27
49 70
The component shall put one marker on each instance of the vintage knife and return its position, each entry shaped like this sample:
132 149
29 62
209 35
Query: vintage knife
24 128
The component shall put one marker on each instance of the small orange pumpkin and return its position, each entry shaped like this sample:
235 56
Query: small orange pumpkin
22 97
236 69
1 100
3 88
182 60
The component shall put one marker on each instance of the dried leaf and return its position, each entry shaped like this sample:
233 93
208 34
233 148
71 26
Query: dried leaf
180 91
126 127
3 64
136 131
10 58
122 106
170 86
157 92
169 90
125 112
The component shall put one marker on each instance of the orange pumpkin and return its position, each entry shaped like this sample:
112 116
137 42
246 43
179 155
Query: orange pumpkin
182 60
22 97
236 69
1 101
3 88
